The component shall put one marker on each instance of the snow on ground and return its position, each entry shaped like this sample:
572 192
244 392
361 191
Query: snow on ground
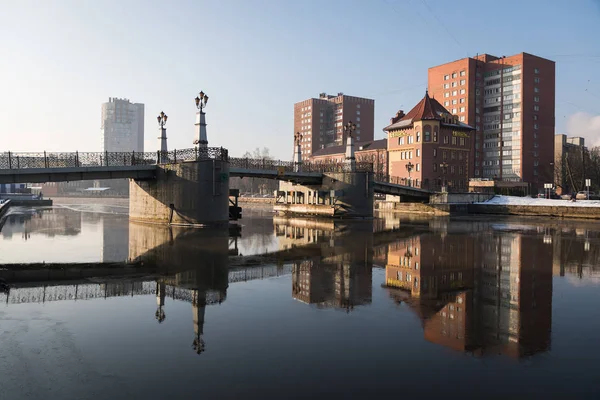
528 201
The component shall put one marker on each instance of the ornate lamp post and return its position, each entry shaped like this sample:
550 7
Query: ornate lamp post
201 138
162 139
444 167
297 151
409 168
349 129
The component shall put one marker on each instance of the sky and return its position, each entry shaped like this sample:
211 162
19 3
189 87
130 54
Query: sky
60 60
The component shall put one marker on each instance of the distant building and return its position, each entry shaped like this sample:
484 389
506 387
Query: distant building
122 126
12 188
510 101
321 121
570 157
374 152
430 146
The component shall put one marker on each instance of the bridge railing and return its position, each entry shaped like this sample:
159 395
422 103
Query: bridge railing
290 166
12 160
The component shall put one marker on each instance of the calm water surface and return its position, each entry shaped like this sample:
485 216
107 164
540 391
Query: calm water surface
404 307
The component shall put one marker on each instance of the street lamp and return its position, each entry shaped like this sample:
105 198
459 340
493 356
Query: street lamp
349 129
409 168
201 139
201 101
162 139
444 167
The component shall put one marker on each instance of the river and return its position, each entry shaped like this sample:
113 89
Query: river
403 306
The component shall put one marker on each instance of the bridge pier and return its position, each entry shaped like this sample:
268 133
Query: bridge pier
187 193
341 194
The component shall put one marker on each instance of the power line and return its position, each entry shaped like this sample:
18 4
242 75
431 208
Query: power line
442 24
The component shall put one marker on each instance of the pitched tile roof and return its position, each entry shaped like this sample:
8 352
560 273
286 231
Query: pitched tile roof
380 144
426 109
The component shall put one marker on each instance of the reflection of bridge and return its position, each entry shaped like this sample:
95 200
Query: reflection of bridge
85 290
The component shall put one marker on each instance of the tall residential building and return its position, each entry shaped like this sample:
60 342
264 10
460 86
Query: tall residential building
510 102
321 121
122 126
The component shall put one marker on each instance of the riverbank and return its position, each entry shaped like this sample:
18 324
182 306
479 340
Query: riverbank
510 205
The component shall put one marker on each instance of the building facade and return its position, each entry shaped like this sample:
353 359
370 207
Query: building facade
429 147
570 159
321 121
510 102
374 152
122 126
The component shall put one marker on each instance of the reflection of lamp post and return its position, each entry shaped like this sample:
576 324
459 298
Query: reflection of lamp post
444 167
201 138
162 121
409 168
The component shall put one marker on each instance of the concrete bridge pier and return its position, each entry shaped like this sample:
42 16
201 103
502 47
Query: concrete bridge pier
341 194
188 193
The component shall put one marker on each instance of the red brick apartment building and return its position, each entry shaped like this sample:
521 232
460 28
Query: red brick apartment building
321 121
510 102
430 147
374 152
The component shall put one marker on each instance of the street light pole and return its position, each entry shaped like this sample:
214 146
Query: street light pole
444 167
201 139
349 129
162 121
409 168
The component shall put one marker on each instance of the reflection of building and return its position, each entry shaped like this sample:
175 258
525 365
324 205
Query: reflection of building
48 222
489 294
115 240
320 121
331 283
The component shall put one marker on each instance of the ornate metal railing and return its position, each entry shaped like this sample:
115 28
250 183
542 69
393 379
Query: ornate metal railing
289 166
11 160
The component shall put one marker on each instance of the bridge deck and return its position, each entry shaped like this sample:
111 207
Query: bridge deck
67 174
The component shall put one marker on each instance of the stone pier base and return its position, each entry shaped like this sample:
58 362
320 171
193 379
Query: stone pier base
186 193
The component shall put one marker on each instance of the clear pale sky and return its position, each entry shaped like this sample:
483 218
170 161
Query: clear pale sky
61 59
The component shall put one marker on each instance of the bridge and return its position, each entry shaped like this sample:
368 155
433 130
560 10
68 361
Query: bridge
192 185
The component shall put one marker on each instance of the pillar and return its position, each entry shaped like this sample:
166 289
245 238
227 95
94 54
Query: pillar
201 137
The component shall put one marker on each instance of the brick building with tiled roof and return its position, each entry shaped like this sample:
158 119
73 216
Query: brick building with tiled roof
429 147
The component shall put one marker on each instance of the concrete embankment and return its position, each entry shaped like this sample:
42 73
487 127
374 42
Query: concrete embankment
537 211
257 200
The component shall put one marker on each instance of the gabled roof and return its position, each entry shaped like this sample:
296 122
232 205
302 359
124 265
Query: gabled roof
359 146
426 109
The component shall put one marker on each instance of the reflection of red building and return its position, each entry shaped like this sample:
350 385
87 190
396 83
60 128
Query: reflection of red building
332 283
493 295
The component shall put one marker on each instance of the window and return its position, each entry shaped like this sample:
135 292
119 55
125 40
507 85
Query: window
462 82
454 93
357 112
418 137
434 167
418 167
462 118
418 152
462 100
454 111
536 99
454 140
462 91
446 103
446 86
462 109
446 77
444 155
536 80
536 126
463 73
357 119
401 140
445 139
454 84
410 139
536 70
535 117
453 155
435 134
536 108
462 141
358 106
452 169
447 94
536 89
454 75
460 155
427 136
